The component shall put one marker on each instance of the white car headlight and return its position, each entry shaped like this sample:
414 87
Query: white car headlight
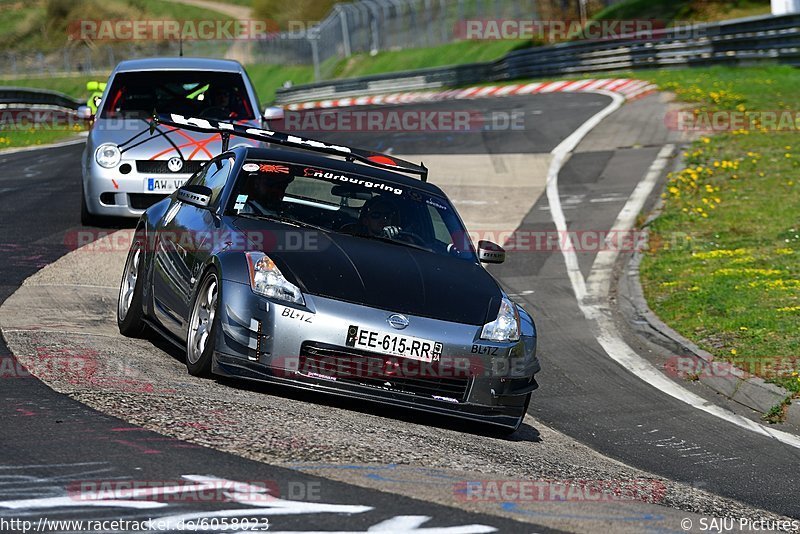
108 155
267 280
506 327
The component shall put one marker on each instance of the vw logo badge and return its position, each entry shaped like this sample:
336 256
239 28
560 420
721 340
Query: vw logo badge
175 164
397 321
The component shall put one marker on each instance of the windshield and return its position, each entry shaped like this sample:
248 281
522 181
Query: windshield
214 95
351 204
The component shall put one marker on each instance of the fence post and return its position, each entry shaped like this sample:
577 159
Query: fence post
313 39
345 30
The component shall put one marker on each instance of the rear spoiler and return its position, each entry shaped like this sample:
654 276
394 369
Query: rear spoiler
227 129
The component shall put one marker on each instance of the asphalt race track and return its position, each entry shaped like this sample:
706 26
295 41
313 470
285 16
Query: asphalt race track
342 451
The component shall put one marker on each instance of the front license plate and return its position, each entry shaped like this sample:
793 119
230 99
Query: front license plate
394 344
163 185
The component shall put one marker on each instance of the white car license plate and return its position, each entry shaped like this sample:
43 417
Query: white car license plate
162 185
394 344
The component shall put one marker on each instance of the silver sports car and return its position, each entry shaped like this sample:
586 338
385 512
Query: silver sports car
329 268
125 171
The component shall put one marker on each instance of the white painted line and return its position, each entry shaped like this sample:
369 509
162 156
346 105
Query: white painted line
594 303
598 283
560 154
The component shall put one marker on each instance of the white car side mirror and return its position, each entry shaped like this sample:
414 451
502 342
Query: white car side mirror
84 112
273 113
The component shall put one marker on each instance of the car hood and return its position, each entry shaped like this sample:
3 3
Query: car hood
395 278
166 142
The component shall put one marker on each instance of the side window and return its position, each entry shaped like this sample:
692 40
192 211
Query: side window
198 177
215 176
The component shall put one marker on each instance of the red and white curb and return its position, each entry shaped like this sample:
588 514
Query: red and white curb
628 88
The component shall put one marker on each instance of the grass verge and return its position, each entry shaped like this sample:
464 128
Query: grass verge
724 264
22 137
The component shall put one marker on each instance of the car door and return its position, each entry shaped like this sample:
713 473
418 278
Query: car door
182 247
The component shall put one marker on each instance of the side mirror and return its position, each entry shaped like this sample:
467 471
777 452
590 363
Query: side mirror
273 113
196 195
489 252
92 86
85 113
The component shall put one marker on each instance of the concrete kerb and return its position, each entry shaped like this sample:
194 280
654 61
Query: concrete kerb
749 391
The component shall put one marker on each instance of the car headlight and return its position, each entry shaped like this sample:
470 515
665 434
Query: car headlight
506 327
108 155
268 281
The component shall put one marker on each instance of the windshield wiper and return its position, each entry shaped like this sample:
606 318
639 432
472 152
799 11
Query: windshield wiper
393 241
283 219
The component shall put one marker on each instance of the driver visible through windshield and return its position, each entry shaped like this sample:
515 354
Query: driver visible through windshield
350 204
212 95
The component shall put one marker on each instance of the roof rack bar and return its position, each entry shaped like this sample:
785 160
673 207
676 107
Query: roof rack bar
227 129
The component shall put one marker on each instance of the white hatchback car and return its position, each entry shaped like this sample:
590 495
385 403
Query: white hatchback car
126 169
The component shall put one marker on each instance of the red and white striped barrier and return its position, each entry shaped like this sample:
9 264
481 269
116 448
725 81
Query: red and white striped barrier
630 89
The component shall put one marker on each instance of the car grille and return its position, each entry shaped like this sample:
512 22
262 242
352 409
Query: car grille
159 166
350 366
142 201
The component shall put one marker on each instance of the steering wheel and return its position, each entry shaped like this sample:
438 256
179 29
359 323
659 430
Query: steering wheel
412 238
214 112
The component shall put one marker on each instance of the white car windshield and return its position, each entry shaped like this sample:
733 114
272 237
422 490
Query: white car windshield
214 95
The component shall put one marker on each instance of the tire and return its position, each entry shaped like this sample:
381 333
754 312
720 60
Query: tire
130 314
203 326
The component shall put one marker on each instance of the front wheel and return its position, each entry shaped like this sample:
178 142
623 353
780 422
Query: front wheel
200 339
130 315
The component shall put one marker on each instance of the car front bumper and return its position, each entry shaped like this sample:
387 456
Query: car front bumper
306 347
110 192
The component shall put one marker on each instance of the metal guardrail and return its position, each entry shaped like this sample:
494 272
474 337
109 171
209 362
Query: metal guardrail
744 41
28 98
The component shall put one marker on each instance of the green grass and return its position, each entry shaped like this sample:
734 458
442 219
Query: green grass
74 86
42 25
268 78
418 58
683 10
11 138
283 11
724 263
